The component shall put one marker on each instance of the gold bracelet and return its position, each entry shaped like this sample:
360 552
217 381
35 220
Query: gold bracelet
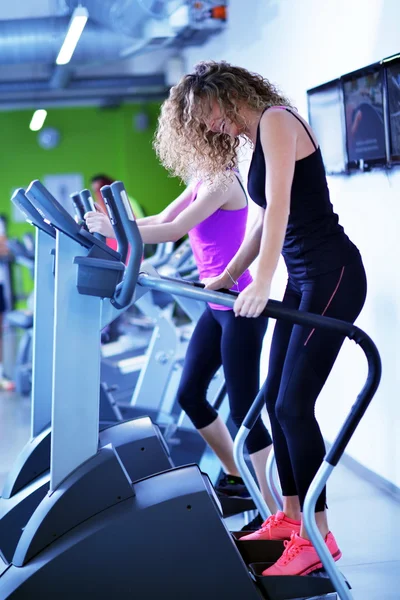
233 281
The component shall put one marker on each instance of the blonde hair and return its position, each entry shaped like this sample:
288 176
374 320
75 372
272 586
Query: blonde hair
183 142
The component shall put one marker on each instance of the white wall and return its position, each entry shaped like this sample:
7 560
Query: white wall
299 44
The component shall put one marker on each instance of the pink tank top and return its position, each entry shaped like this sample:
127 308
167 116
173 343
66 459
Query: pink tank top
216 240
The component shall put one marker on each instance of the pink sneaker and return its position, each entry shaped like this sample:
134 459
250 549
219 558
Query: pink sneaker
300 557
276 527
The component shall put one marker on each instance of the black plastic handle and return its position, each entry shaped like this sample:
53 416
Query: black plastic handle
89 206
124 214
116 222
78 206
277 310
87 201
52 210
32 215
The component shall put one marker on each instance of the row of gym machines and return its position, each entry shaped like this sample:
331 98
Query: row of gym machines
143 376
117 519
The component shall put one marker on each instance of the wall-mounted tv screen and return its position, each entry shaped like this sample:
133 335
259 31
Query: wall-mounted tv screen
393 92
325 112
363 104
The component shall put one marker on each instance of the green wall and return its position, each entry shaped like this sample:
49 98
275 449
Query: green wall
93 140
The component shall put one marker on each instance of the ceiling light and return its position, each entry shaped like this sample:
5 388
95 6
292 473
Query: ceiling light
38 118
75 28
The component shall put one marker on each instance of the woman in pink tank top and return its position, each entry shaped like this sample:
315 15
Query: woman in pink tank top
215 220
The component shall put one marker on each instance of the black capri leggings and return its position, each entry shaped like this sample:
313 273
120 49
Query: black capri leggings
220 338
300 362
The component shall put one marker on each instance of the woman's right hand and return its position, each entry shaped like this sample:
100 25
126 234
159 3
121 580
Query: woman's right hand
222 282
98 222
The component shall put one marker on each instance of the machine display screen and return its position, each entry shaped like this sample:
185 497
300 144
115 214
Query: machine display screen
365 132
393 88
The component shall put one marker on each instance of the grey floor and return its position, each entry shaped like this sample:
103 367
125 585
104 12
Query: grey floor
364 520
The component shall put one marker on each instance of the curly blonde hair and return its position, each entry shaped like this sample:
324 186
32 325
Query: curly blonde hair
183 142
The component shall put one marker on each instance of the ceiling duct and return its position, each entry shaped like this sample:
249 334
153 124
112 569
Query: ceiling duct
116 29
39 41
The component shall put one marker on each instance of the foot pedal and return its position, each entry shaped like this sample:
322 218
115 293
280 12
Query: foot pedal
313 586
233 505
258 551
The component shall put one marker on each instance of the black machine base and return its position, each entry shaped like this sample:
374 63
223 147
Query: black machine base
140 447
164 540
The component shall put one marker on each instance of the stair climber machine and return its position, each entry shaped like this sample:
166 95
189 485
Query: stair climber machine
101 533
18 362
140 444
258 555
17 345
262 553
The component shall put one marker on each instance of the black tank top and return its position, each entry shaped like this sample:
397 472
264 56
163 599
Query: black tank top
314 243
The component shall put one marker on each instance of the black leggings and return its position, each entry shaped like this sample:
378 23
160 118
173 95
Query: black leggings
220 338
300 362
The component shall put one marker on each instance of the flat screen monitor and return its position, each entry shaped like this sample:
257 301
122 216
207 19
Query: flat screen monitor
365 129
393 94
326 116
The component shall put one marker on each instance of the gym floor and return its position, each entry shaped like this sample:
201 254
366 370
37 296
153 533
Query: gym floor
363 518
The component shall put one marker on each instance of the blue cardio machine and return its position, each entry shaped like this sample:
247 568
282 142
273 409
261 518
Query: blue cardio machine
140 444
99 534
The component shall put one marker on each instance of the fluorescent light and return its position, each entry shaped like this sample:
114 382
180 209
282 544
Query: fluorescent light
38 118
75 28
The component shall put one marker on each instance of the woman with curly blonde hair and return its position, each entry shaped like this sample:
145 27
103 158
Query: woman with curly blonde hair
202 123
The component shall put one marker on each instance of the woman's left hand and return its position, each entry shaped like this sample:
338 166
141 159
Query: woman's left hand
252 301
